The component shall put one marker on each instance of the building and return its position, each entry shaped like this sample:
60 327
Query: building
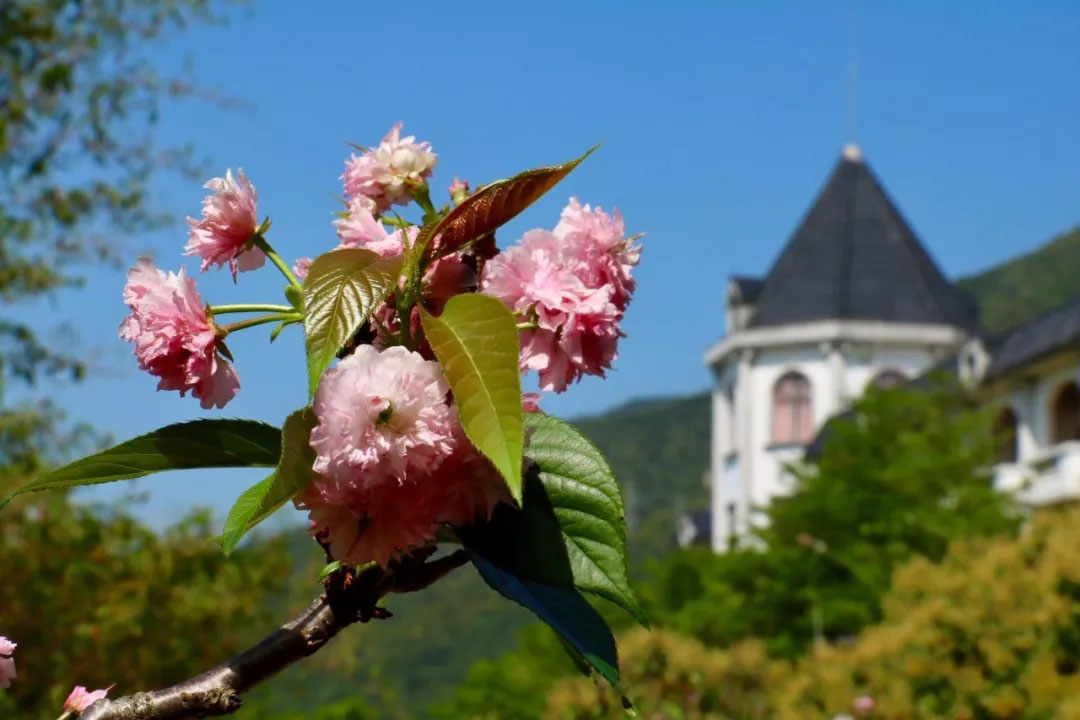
853 299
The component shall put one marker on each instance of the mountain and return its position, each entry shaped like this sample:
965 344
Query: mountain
1024 287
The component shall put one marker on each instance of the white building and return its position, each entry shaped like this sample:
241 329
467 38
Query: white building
852 299
855 299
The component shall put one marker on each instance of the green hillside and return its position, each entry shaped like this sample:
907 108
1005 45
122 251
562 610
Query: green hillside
1020 289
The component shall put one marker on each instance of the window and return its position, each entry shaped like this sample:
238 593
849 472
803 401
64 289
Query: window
793 421
1004 430
888 379
1065 414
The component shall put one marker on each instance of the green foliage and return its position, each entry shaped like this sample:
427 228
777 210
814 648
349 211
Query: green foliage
291 476
476 341
903 475
492 206
512 685
82 588
585 498
342 289
990 631
1024 287
79 102
659 450
563 608
195 444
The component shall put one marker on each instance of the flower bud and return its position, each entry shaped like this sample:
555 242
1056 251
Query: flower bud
459 190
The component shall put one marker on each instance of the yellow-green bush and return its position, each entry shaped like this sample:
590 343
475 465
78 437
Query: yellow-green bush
672 676
991 632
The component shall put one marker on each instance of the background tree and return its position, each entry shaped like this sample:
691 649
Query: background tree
903 474
79 99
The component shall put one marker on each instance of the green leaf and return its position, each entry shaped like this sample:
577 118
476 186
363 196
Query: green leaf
341 291
197 444
476 341
330 567
564 609
585 498
291 476
521 553
491 206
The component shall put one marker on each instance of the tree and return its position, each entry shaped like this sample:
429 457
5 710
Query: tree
903 474
78 103
86 588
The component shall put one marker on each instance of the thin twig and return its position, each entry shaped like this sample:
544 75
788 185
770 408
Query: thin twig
349 598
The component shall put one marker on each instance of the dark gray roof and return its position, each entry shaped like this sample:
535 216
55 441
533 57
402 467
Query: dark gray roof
749 287
1042 335
854 257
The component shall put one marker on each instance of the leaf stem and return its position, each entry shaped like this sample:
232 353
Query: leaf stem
261 320
260 242
223 309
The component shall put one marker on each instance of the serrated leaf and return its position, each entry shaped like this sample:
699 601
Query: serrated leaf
491 206
197 444
342 289
476 341
291 476
565 611
585 498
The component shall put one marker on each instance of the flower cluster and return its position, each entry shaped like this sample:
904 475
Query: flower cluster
391 457
571 285
7 662
383 175
393 460
174 340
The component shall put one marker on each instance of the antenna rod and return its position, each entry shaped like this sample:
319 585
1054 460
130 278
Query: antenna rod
853 73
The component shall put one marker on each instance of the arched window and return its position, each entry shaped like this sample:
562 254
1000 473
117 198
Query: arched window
1005 436
888 379
793 420
1065 414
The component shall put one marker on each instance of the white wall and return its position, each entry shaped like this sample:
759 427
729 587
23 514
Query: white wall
750 471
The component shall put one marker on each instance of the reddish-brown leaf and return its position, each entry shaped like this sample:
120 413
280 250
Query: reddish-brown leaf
491 206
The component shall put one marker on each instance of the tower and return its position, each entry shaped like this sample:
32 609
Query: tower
852 299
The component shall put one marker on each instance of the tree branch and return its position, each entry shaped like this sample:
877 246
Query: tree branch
349 598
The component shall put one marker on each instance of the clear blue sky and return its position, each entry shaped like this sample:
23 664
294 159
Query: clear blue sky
719 121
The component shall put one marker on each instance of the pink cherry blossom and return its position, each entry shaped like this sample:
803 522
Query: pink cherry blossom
7 662
382 416
360 229
384 427
468 484
606 255
173 338
382 174
229 220
301 266
574 285
80 698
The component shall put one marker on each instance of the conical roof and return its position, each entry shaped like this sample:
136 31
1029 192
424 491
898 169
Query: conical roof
855 257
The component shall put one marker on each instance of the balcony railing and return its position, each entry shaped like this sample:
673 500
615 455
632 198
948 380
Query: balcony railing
1051 476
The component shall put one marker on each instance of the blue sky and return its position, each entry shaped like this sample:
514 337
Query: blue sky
719 123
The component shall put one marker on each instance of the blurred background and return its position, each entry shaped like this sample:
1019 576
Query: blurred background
845 415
